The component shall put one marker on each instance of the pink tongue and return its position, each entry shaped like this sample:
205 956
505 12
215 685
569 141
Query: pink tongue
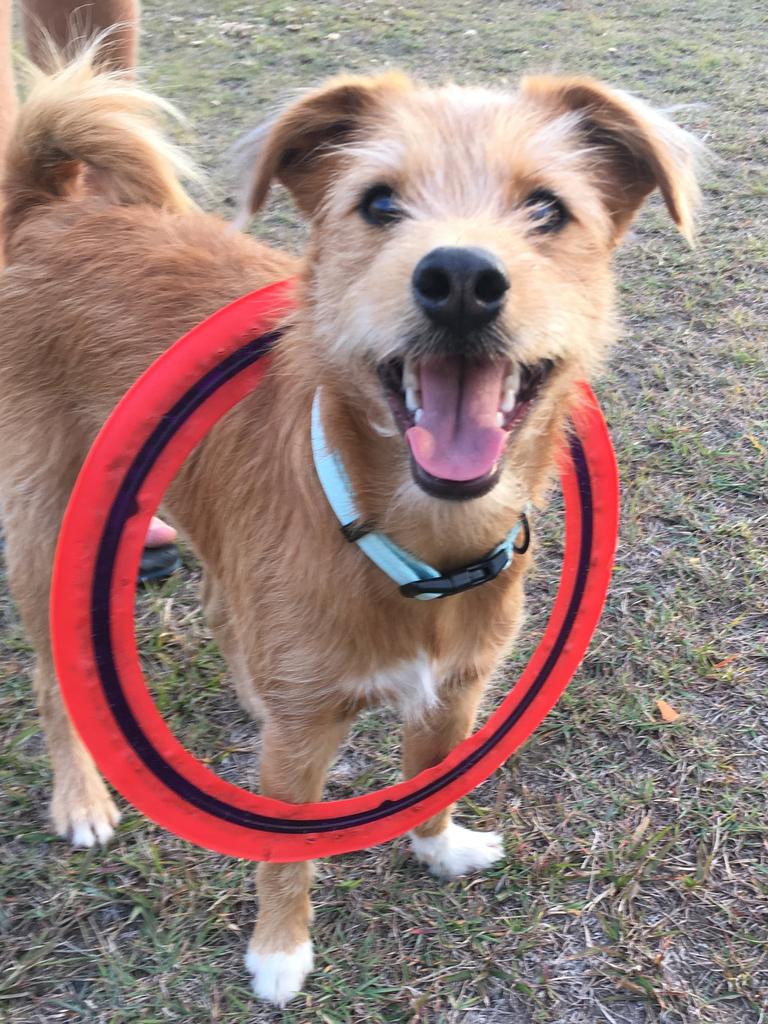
457 437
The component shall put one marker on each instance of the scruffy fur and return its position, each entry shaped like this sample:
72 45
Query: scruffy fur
108 262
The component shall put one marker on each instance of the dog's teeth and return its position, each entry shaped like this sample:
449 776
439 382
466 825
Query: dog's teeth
411 385
417 415
410 375
512 380
500 418
508 400
511 387
412 397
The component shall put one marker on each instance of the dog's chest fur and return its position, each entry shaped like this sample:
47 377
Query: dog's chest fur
410 685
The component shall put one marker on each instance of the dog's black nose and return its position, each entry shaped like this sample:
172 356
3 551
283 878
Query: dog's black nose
461 289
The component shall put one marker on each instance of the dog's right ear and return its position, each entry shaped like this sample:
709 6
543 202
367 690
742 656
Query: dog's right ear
302 146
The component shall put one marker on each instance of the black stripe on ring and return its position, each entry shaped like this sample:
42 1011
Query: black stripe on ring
124 506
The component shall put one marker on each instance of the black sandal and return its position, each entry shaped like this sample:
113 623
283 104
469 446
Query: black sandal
159 563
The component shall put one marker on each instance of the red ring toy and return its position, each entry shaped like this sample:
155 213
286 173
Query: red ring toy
132 462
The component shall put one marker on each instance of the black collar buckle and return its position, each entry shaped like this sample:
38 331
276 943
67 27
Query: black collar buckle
466 578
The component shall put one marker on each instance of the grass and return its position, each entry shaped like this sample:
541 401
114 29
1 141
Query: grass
635 887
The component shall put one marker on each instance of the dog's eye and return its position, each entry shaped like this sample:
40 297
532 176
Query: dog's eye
545 211
379 206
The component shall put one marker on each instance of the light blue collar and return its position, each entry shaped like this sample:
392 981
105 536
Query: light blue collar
414 577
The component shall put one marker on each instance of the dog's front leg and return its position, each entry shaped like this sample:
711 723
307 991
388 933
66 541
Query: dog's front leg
448 849
295 759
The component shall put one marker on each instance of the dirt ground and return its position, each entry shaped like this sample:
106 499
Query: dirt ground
634 888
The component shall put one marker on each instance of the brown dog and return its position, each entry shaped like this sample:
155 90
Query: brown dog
456 285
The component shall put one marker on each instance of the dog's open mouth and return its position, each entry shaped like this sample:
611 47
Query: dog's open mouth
457 416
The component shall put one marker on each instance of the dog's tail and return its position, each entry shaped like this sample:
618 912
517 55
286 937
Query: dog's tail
81 128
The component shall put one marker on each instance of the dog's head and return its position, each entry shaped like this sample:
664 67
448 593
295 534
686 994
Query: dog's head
459 273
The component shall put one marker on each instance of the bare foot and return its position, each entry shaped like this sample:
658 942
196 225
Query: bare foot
159 534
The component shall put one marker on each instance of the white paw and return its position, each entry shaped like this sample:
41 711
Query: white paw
85 827
90 832
278 977
458 851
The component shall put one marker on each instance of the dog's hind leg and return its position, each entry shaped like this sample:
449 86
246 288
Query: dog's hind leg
294 763
81 808
448 849
219 618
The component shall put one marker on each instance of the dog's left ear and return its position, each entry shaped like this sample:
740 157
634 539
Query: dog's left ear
644 150
303 145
